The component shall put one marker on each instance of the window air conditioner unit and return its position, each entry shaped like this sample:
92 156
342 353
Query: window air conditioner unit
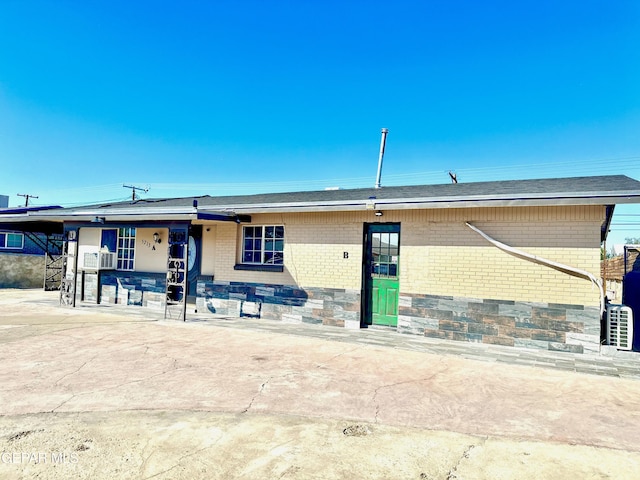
99 261
620 327
107 261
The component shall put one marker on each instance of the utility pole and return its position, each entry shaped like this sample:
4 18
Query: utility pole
27 197
134 189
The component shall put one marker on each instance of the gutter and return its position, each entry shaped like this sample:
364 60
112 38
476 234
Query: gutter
574 272
430 202
128 215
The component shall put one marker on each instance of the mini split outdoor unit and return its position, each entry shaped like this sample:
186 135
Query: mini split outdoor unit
620 327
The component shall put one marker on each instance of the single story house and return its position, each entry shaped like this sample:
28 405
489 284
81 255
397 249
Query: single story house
506 262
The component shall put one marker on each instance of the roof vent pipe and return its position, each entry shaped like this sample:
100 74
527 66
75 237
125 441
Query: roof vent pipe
383 141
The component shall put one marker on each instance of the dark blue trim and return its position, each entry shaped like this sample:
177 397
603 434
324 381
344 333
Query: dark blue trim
259 268
222 217
13 211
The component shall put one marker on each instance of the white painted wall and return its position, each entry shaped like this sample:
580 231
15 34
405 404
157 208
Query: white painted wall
151 257
208 263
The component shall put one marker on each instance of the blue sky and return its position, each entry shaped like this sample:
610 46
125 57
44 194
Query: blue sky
224 97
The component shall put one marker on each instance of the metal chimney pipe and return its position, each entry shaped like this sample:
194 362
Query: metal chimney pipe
383 141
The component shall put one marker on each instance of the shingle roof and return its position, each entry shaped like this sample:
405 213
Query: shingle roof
601 190
511 190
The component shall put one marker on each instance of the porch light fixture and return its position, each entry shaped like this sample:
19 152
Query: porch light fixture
98 220
156 238
378 213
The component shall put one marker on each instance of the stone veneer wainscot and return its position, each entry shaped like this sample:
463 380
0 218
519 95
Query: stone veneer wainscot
326 306
548 326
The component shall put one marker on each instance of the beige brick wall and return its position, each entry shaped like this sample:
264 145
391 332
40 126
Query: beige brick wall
439 254
313 253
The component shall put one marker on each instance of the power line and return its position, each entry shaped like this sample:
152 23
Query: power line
577 167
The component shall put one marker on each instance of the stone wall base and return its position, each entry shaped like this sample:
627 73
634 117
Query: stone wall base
325 306
132 288
547 326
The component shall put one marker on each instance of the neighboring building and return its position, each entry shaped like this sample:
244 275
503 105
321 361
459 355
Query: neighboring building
12 242
614 269
4 201
510 263
30 254
22 260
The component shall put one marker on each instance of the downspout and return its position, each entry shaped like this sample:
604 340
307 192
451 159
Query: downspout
574 272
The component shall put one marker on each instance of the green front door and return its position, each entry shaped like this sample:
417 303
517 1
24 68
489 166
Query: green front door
382 260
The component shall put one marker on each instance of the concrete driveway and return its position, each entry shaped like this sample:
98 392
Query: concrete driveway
93 393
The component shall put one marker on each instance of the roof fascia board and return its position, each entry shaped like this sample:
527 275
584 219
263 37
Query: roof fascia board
102 212
404 205
606 225
118 218
440 202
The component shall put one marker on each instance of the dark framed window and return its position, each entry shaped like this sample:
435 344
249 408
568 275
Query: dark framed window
11 241
263 245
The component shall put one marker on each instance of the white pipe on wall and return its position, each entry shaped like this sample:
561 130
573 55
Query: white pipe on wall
574 272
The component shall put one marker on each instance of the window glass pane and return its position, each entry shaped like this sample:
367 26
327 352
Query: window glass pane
375 244
14 240
263 244
393 244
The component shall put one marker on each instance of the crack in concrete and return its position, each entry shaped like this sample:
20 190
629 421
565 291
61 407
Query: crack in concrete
57 382
404 382
75 371
145 459
262 387
324 364
172 368
453 472
182 458
66 401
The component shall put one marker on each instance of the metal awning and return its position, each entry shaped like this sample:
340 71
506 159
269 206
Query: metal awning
52 218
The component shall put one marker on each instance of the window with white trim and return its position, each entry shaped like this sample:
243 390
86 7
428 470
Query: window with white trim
11 241
126 248
263 245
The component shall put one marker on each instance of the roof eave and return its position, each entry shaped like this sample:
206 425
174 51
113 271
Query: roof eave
404 204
